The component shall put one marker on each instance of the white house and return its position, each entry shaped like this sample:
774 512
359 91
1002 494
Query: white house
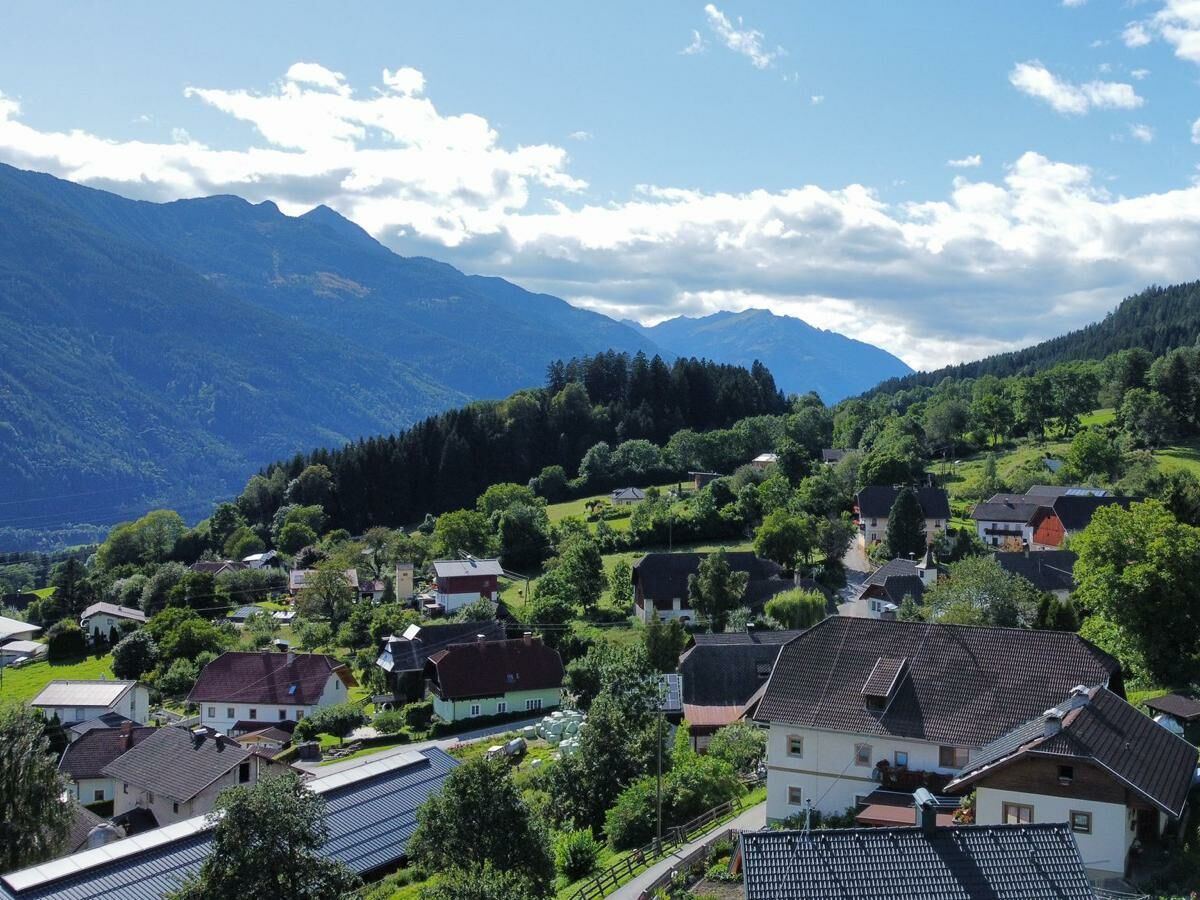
853 704
101 619
763 460
1113 774
84 759
627 496
1005 518
76 701
268 687
460 582
298 579
16 630
874 503
15 650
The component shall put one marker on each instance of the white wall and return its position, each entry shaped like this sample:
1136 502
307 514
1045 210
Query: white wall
168 811
85 790
827 772
679 610
451 602
1104 850
133 704
222 715
105 623
1025 532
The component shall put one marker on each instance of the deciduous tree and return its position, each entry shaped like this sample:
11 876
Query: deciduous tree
716 589
34 817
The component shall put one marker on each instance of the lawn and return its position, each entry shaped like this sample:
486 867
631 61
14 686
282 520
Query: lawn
556 512
1098 417
962 477
1183 456
25 683
329 742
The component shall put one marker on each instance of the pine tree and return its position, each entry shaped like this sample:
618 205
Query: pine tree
906 526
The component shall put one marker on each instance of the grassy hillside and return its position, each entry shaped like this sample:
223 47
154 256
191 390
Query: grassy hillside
25 683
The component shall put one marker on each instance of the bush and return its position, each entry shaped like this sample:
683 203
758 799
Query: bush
338 720
179 679
719 871
575 853
690 788
134 656
65 640
740 744
418 715
389 722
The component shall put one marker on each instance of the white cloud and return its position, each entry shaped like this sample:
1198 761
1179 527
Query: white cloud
967 162
1143 133
1196 132
1139 74
580 135
1135 35
698 45
1177 23
318 76
1073 3
984 266
816 99
1036 80
746 41
404 80
180 136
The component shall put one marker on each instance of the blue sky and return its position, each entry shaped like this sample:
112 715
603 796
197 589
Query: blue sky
798 159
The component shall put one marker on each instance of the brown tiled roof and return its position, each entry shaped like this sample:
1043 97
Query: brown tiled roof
92 751
883 677
1101 728
965 685
1177 706
267 678
492 668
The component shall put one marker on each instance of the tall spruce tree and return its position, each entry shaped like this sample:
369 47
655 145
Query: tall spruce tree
906 526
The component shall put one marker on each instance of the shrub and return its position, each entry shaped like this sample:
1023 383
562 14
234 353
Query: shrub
740 744
134 655
719 871
389 722
65 640
575 853
418 715
689 789
338 720
179 679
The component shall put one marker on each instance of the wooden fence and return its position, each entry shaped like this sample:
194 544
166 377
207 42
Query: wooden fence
696 856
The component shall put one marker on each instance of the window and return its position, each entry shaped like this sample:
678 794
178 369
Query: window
952 757
150 797
282 714
212 712
78 714
862 754
1081 822
175 807
97 796
229 712
253 713
763 670
795 796
534 703
900 757
1066 774
474 709
243 773
1017 814
501 708
124 788
795 745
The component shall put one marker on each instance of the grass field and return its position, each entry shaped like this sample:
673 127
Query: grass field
1182 456
25 683
1098 417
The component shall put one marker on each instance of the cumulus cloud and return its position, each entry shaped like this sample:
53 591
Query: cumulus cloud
988 265
1196 132
1177 23
967 162
405 80
1143 133
1135 35
580 135
1037 81
740 39
697 45
1139 74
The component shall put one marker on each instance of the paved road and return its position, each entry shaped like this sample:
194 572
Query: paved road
858 569
445 743
751 819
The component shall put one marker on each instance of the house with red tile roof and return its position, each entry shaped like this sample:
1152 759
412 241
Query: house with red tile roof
488 678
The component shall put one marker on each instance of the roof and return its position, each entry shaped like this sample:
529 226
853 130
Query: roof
1075 512
964 686
1046 570
665 575
176 762
1061 490
832 455
112 609
899 578
999 862
15 626
242 613
371 815
23 648
251 726
409 652
1099 727
875 501
297 578
492 668
83 820
108 719
1003 508
629 493
81 693
465 568
88 754
290 679
269 734
728 672
1177 706
216 566
766 458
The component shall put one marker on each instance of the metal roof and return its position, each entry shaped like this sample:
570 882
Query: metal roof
462 568
14 626
371 816
81 693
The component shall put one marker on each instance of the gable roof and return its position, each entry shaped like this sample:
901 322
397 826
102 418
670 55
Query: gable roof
466 568
107 719
370 813
1177 706
176 762
1097 726
1000 862
298 578
87 755
1004 508
1046 570
1062 490
492 668
409 652
897 578
1075 511
728 672
629 493
15 626
217 566
875 501
117 612
84 694
964 685
290 679
832 454
665 575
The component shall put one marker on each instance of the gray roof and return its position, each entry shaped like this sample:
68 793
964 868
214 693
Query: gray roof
964 685
1099 727
371 815
1047 570
899 578
1063 490
15 626
1003 508
464 568
92 751
177 763
1177 706
998 862
728 672
112 609
629 493
875 501
409 653
81 693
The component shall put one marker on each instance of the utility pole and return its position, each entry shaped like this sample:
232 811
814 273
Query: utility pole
658 789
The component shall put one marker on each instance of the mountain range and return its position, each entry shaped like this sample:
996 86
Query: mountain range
159 353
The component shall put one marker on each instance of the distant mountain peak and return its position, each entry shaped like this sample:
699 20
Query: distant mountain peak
331 218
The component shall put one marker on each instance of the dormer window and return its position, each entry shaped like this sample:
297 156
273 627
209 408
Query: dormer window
1066 774
883 682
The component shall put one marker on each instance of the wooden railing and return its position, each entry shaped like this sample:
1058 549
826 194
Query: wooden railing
685 863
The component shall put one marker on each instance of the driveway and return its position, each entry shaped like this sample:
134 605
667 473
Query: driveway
445 743
858 570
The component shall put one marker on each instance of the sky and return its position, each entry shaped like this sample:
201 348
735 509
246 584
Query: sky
944 180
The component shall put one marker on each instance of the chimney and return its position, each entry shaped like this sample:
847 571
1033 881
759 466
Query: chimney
1053 723
926 810
291 656
527 637
126 734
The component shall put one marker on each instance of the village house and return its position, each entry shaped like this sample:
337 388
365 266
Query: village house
85 758
492 678
403 658
874 503
1067 515
1177 712
885 589
459 582
763 460
1040 518
854 704
215 567
268 687
721 672
269 740
78 701
701 480
1051 571
371 590
627 496
999 862
100 620
176 773
1113 774
16 651
1006 519
16 630
831 456
660 583
298 579
268 559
